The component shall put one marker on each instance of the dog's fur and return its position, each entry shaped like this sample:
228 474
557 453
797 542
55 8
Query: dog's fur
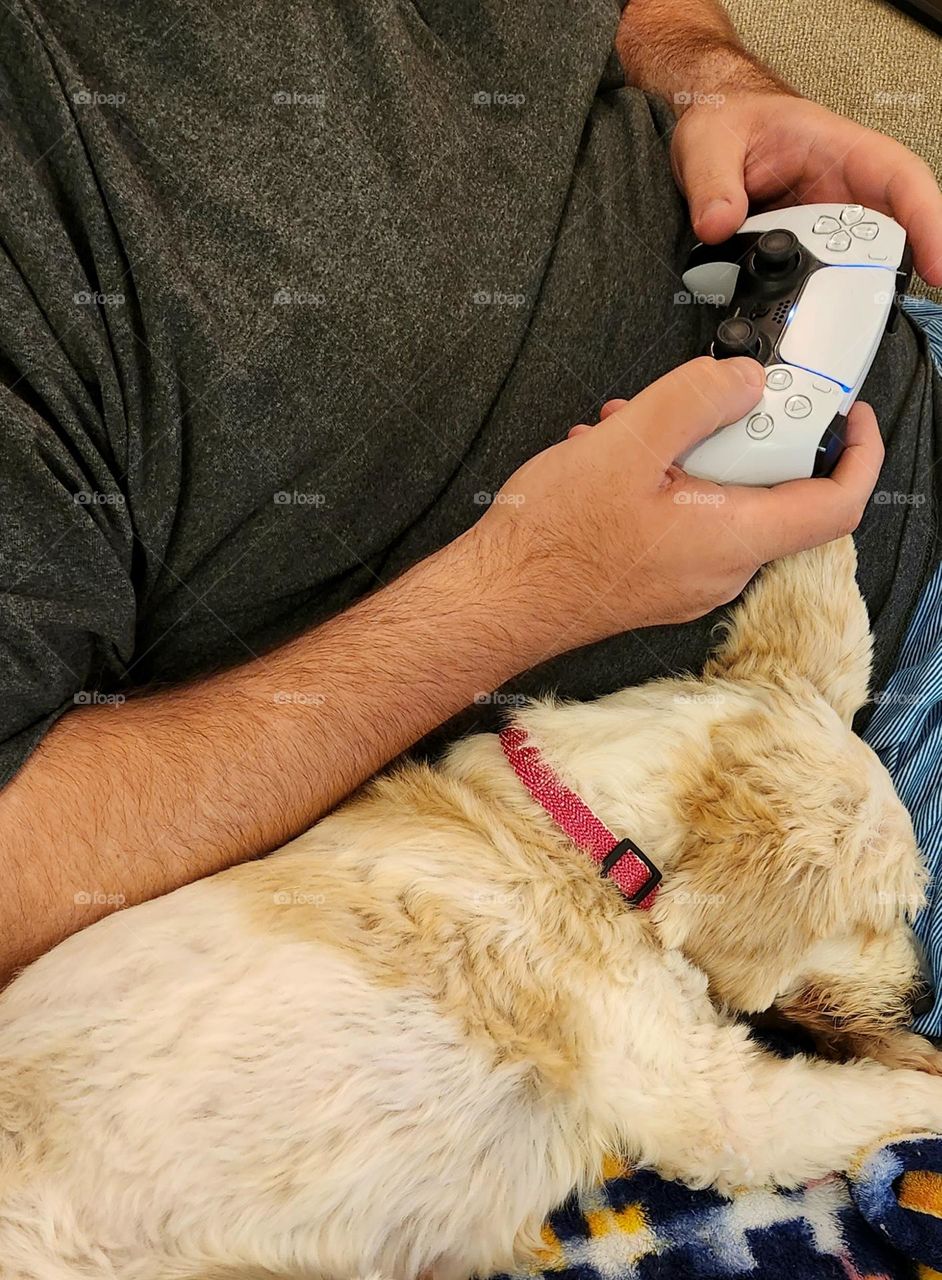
401 1040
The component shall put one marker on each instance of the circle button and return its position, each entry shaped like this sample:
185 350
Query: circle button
759 426
798 406
778 379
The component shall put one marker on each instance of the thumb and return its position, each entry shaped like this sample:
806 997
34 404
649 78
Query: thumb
709 163
689 403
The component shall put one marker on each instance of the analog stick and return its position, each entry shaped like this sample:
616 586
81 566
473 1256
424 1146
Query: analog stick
777 253
736 337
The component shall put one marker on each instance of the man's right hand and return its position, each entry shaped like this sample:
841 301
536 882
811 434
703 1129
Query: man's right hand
608 535
603 534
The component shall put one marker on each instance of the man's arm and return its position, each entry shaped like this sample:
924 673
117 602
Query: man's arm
686 50
122 803
595 535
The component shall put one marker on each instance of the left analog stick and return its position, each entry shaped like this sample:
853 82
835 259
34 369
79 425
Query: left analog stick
736 336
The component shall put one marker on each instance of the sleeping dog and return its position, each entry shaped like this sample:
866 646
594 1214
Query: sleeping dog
401 1040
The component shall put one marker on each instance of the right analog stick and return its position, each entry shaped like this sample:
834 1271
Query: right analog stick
777 253
736 336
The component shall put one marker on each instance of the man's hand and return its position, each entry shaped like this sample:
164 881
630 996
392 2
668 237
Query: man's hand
772 148
607 534
593 536
746 137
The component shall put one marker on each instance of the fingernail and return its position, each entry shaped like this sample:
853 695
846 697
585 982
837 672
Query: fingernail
715 206
752 372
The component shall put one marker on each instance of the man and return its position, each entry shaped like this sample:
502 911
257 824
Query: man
299 304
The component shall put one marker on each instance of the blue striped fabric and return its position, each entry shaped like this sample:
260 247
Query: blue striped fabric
906 726
928 315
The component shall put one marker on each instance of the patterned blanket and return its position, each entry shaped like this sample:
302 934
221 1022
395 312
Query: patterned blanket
883 1222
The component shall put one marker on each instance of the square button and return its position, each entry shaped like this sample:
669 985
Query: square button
825 225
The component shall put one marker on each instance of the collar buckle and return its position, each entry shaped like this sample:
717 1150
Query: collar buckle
625 848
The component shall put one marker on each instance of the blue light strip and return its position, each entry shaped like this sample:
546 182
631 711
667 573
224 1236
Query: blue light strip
818 374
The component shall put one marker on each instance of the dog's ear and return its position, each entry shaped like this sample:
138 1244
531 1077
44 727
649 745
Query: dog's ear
804 616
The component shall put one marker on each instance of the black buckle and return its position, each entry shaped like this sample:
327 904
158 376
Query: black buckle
615 856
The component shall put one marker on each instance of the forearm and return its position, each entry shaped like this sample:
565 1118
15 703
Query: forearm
685 51
121 804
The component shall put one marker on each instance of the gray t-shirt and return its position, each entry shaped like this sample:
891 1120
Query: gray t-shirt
286 291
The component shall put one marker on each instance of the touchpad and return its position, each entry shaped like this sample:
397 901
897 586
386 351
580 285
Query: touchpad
838 321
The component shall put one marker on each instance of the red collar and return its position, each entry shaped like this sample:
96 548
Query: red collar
621 860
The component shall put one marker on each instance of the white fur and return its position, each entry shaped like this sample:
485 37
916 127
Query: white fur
444 1022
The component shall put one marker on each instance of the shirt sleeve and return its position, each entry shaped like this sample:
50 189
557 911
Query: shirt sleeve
67 606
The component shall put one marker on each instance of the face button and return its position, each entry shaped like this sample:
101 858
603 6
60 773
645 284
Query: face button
798 406
759 426
852 214
839 242
778 379
825 225
865 231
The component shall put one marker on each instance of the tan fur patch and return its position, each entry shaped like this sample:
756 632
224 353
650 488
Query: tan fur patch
442 916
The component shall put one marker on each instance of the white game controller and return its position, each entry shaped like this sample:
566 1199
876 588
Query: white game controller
809 292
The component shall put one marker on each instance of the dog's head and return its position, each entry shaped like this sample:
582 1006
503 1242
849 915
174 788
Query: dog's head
797 873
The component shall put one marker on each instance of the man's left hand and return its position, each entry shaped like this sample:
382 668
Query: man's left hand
773 149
